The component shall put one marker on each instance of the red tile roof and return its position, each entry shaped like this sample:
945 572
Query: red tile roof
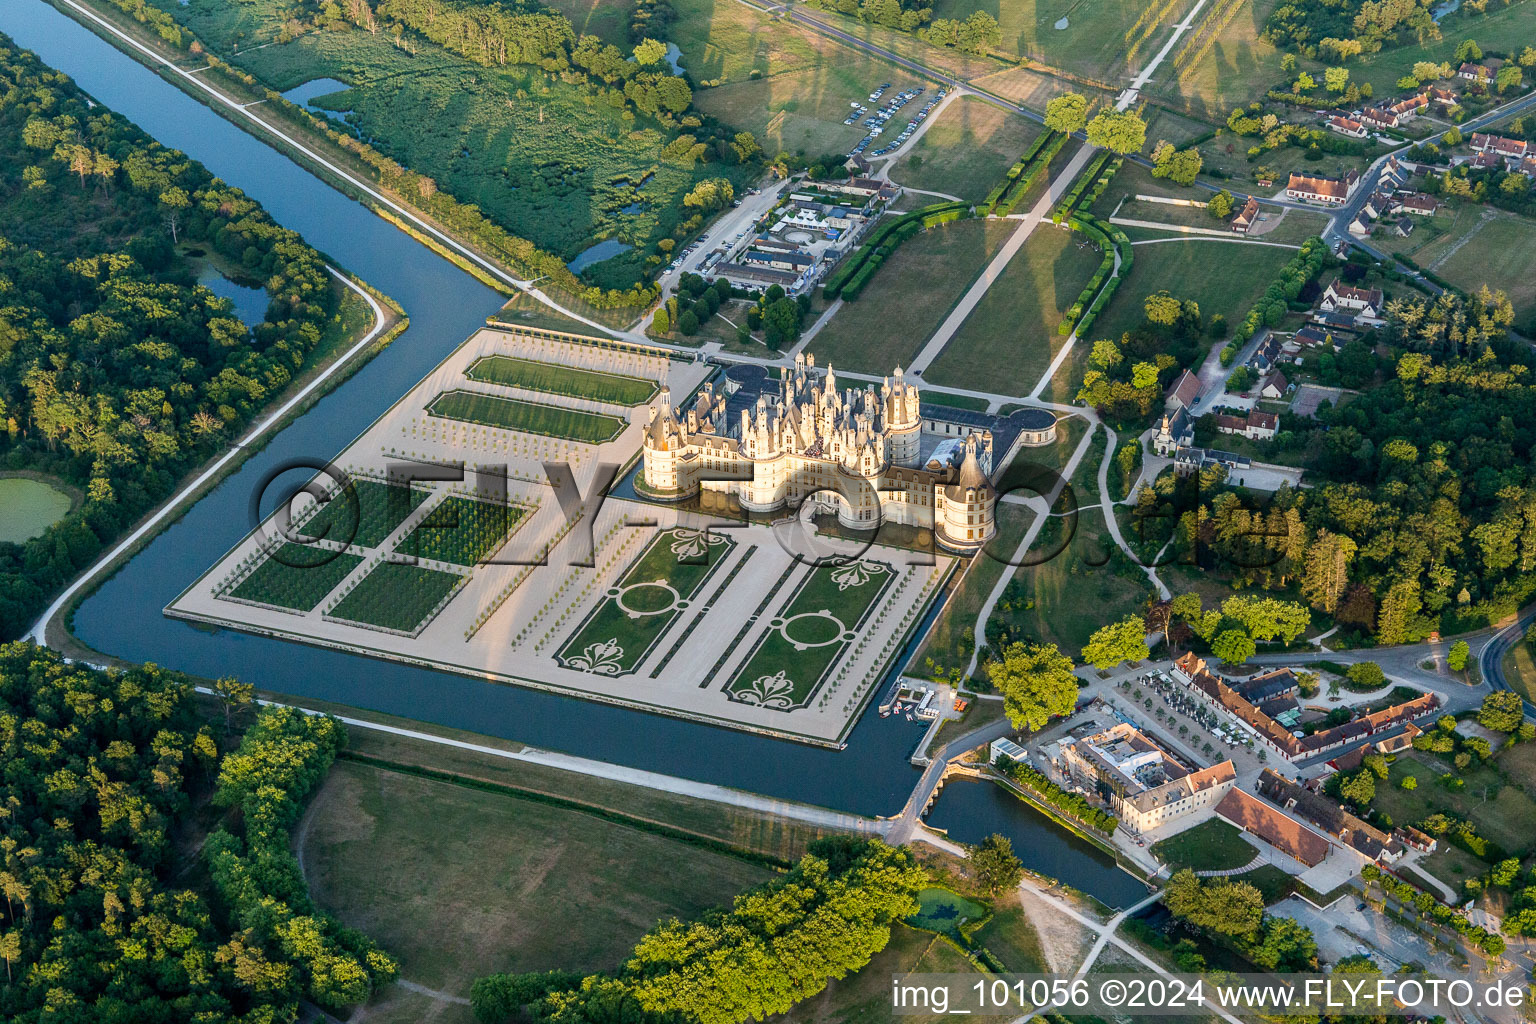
1279 830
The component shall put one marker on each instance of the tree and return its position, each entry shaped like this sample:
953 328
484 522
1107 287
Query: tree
1366 675
1456 657
1162 308
1037 684
1468 51
1509 76
996 867
1221 906
1117 131
1335 79
1359 789
174 201
1178 166
1327 570
1106 355
649 52
234 697
1502 711
1220 205
1117 642
1409 783
1304 83
661 323
1233 647
1067 113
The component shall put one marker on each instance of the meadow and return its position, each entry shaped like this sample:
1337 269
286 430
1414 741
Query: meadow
540 157
528 417
1092 43
967 150
916 286
1500 255
1009 339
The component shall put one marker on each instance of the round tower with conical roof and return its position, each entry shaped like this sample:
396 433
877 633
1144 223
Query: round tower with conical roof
964 507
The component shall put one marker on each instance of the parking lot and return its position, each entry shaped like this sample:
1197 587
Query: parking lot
878 121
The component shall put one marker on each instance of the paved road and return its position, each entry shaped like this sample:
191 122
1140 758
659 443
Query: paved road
1490 660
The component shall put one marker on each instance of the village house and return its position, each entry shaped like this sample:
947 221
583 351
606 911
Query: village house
1175 430
1264 356
1420 205
1443 98
1190 460
1321 189
1346 126
1379 118
1243 222
1478 73
1312 335
1255 426
1146 787
1408 109
1499 146
1364 304
1274 386
1328 817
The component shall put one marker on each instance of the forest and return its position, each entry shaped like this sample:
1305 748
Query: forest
1422 512
779 944
104 771
118 372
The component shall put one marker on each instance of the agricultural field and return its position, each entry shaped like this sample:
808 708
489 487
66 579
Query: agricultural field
379 510
809 634
916 286
536 155
527 417
1092 42
1499 254
498 882
396 597
617 635
967 150
551 378
296 577
1010 337
461 531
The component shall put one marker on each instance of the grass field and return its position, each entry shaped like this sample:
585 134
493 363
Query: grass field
1500 254
534 153
967 150
495 883
380 509
296 576
527 417
917 286
1501 812
865 997
1012 937
1092 43
1034 89
606 19
1238 69
461 531
395 596
1212 845
792 658
1520 673
1009 339
532 375
617 635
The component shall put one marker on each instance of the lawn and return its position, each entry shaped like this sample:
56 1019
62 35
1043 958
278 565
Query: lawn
1034 89
616 635
535 154
946 646
527 417
1501 812
296 576
967 150
1074 589
461 531
1093 42
379 509
917 287
1520 673
1009 339
1500 254
809 633
532 375
1011 937
396 597
1212 845
458 882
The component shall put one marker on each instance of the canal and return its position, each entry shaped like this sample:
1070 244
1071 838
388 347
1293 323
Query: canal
123 617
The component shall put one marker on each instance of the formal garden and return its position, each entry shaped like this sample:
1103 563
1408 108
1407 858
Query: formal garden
397 597
295 576
574 382
809 634
366 518
461 531
526 417
634 613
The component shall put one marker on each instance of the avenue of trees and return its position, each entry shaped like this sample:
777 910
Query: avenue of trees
98 923
118 372
780 943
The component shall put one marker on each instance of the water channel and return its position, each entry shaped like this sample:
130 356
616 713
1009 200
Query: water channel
871 776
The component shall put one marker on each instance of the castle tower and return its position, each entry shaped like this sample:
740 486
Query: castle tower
903 420
665 453
964 508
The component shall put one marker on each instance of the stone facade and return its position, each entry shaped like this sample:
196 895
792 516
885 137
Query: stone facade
854 452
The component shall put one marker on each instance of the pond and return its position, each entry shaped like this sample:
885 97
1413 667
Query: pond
673 53
28 507
250 303
604 250
306 94
970 810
